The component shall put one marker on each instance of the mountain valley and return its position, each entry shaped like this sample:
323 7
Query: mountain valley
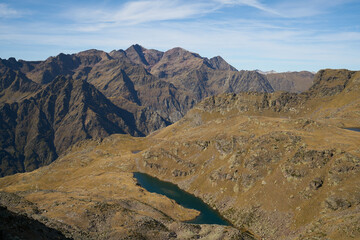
275 164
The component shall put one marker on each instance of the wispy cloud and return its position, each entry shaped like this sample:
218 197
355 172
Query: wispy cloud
268 47
306 8
144 11
132 13
249 34
290 8
139 12
251 3
8 12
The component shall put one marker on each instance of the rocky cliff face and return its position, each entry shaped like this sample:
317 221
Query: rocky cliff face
14 85
36 130
143 56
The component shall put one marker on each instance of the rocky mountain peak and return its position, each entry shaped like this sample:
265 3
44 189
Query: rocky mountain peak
93 56
137 47
178 52
146 57
118 54
175 61
136 54
219 63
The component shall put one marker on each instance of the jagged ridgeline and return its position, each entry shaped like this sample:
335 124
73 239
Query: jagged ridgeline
47 106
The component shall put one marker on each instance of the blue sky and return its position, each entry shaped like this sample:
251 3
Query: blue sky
281 35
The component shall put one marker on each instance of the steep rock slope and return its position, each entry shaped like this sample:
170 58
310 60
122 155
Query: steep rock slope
146 76
197 77
14 85
122 82
65 64
187 76
143 56
35 131
206 77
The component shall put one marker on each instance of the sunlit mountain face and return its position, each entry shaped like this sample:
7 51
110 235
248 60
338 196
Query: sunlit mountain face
217 119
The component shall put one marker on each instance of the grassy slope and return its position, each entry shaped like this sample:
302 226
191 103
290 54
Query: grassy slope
92 192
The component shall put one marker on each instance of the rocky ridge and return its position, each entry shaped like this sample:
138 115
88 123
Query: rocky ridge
34 131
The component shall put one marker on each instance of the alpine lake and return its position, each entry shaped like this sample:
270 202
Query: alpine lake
183 198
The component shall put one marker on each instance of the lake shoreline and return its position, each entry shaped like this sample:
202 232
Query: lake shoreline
207 215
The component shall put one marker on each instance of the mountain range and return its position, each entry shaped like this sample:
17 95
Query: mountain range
276 165
47 106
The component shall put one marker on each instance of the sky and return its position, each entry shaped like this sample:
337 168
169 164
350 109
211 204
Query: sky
280 35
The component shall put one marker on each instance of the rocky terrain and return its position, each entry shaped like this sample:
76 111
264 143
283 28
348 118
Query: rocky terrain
46 106
168 83
34 131
100 199
276 165
20 226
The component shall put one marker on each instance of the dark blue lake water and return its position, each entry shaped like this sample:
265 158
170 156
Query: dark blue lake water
354 129
185 199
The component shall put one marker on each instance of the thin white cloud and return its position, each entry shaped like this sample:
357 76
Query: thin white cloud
132 13
266 48
269 42
290 8
145 11
306 8
140 12
251 3
340 37
8 12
